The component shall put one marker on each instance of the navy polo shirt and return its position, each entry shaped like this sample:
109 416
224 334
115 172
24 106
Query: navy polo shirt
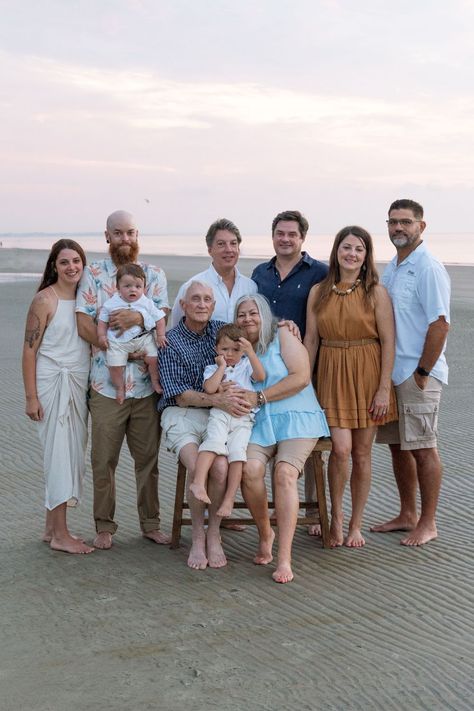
288 297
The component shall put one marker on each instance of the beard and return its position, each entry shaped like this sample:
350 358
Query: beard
400 240
123 254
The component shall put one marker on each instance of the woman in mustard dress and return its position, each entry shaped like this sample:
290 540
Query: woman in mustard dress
350 327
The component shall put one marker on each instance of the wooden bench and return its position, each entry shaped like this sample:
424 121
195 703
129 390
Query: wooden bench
320 507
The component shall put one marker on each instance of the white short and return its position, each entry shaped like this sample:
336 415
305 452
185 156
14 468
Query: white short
117 352
228 435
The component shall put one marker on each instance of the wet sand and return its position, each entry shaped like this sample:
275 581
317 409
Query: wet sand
382 628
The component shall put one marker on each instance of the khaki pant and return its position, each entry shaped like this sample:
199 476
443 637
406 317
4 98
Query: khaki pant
138 421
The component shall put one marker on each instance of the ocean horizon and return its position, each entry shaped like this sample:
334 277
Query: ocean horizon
448 248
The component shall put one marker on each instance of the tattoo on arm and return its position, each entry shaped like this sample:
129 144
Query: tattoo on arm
33 330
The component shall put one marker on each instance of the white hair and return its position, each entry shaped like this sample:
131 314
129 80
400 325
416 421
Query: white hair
196 282
268 323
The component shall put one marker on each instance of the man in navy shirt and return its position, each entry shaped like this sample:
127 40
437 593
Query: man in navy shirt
286 281
287 278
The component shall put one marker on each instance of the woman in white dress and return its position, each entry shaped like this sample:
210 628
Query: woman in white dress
55 374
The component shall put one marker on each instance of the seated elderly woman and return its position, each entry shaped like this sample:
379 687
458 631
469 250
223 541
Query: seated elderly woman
287 427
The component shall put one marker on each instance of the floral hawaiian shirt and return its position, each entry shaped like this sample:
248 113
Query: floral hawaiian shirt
96 286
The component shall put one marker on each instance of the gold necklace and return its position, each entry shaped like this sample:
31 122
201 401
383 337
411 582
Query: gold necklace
345 292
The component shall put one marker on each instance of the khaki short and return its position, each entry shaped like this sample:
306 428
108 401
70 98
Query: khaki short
292 451
418 412
183 425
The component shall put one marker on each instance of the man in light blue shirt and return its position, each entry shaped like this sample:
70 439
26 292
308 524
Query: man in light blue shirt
419 287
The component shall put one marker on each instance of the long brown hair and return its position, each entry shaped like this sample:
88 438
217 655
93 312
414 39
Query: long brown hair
50 275
368 273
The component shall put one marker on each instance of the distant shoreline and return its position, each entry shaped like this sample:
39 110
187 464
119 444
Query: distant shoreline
18 264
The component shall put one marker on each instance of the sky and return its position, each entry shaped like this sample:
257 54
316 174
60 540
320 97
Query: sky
183 111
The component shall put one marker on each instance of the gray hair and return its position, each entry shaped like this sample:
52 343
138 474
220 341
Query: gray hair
268 323
196 282
222 224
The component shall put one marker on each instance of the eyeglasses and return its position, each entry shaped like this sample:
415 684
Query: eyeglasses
404 222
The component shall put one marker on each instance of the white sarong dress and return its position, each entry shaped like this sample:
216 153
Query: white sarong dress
62 371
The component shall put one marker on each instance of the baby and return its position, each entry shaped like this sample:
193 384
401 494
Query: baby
130 285
227 435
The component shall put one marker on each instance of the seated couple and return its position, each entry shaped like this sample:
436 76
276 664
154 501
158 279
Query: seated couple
287 424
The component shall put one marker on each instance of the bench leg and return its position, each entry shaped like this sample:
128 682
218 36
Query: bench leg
318 469
178 506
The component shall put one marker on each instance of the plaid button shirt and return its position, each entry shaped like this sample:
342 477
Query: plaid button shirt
183 360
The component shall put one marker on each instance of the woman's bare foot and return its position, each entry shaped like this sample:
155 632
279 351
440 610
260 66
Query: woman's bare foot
420 535
103 540
399 523
264 553
158 537
197 559
47 537
314 529
354 538
199 492
283 573
215 552
336 533
68 544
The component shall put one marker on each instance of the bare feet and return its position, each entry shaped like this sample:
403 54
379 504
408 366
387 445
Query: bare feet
69 544
158 537
48 537
226 508
215 553
231 526
199 492
354 538
399 523
420 535
314 529
336 534
103 540
283 573
197 559
264 553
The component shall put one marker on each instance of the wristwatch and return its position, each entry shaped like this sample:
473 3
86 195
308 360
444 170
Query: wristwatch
260 398
422 371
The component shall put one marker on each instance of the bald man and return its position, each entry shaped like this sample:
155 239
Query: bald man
137 418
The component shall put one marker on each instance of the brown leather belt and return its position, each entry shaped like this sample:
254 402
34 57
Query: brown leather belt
348 344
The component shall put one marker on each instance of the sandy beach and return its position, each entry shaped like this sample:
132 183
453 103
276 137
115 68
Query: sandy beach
382 628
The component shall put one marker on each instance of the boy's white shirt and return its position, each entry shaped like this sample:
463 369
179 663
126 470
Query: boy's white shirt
143 305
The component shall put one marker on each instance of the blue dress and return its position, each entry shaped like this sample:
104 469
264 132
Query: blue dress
297 417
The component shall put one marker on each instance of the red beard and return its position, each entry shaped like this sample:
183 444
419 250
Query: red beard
123 254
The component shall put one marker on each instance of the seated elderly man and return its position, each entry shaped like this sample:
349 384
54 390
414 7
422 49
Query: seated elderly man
185 411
